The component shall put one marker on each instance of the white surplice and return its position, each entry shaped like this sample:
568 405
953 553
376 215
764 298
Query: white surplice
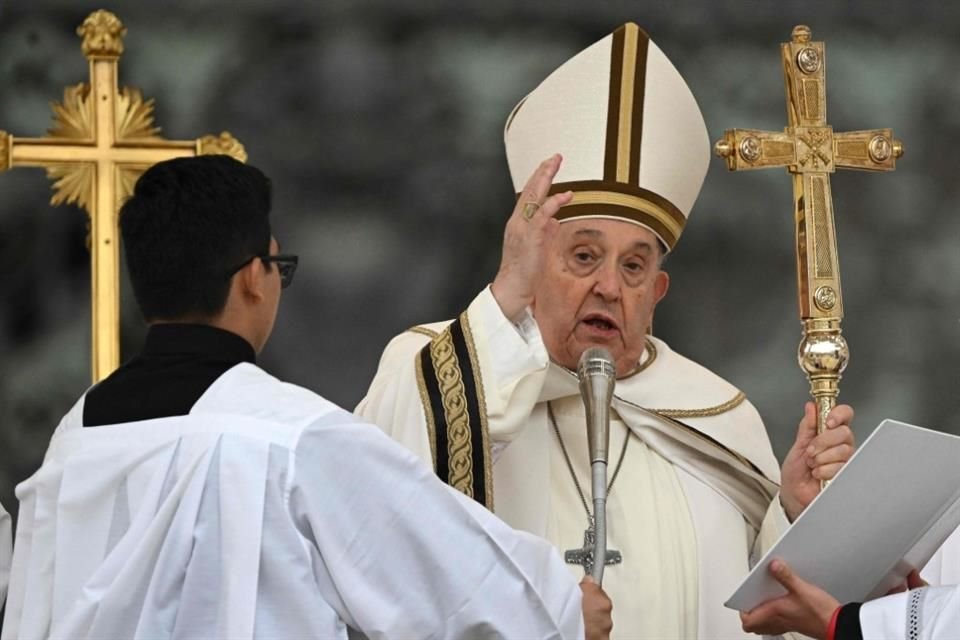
694 502
5 553
267 512
944 566
929 613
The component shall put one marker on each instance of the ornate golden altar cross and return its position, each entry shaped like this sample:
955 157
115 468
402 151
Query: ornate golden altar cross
811 151
102 140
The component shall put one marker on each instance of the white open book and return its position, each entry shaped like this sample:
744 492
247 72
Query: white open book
887 511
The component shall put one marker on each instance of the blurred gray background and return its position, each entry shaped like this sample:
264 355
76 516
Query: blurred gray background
380 123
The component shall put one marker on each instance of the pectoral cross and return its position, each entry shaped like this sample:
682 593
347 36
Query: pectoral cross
584 555
102 140
811 151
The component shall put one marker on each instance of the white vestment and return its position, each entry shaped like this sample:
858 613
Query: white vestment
932 613
944 566
266 512
693 502
5 552
929 613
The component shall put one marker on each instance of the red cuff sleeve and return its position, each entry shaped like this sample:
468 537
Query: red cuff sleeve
832 627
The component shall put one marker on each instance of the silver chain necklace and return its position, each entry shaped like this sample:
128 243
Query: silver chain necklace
566 457
584 555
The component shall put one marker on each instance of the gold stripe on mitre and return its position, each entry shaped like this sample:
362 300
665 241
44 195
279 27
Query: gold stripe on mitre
627 85
618 189
603 199
628 68
618 194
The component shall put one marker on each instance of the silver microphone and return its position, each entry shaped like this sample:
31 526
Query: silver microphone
597 375
597 378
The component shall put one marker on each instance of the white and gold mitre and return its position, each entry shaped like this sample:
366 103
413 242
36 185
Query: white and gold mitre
634 143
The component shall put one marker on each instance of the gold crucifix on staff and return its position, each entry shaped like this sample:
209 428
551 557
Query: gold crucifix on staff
811 151
103 138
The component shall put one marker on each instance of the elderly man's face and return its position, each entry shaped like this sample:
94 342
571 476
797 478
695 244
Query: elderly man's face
600 287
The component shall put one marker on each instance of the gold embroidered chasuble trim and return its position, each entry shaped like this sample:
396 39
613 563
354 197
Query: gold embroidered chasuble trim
482 409
451 390
427 412
447 370
425 396
456 416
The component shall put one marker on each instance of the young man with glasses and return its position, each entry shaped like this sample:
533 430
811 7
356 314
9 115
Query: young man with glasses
192 494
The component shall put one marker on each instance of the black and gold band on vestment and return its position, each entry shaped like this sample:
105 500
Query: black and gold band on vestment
451 390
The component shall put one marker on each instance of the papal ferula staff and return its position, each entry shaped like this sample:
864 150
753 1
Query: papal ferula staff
810 150
490 398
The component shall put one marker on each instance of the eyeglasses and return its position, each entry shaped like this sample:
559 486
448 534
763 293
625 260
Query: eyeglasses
286 265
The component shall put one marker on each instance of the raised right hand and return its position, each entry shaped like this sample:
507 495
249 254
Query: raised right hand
596 610
526 241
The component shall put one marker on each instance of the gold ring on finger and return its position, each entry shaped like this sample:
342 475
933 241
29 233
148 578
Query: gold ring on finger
529 210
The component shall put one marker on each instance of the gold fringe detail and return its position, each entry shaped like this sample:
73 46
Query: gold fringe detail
651 350
740 397
430 333
708 412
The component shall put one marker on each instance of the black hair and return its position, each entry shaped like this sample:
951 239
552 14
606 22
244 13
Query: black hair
188 224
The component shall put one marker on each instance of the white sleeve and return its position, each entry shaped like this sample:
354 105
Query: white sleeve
394 401
6 553
944 566
512 360
929 613
513 364
402 555
774 525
